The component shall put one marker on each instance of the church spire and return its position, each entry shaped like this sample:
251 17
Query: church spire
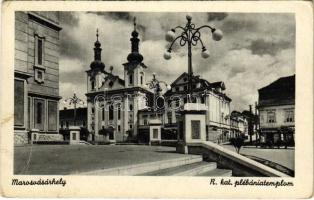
97 55
134 23
97 49
135 56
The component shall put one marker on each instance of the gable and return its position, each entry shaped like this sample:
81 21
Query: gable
183 78
112 82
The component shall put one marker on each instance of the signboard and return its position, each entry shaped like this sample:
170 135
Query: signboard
196 128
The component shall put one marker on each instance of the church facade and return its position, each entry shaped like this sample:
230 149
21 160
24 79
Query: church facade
112 102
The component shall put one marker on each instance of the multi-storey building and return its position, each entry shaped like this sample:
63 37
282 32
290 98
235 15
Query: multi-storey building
210 94
36 73
238 124
66 118
113 103
276 111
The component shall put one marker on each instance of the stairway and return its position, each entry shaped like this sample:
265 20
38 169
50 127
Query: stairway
194 169
187 165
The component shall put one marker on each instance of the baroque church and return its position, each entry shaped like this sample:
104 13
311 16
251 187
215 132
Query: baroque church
122 109
112 102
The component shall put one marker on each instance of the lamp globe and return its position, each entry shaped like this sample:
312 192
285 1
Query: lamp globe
217 34
167 55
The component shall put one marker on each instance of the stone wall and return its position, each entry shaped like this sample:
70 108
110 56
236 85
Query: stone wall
50 137
51 58
21 41
20 138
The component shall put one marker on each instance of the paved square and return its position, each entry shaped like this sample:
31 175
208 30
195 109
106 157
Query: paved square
71 159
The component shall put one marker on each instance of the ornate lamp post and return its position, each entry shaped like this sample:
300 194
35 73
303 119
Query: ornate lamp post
190 35
155 85
74 100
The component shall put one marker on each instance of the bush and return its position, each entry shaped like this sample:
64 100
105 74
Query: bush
237 143
84 133
103 132
65 133
168 134
143 137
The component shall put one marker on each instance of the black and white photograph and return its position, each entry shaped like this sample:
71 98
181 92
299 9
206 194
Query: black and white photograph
155 94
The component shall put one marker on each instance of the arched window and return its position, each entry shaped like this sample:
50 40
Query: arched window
110 112
119 112
93 85
131 107
141 80
131 79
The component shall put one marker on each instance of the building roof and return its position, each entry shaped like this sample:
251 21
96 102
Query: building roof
236 113
81 113
250 115
279 92
123 90
205 85
113 77
218 84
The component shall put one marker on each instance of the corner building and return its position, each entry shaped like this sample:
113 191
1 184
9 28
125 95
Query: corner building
36 74
276 106
211 95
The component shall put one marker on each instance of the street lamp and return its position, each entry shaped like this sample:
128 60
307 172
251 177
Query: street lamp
155 85
74 100
190 35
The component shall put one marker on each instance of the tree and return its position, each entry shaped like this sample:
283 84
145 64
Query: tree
103 132
237 143
84 133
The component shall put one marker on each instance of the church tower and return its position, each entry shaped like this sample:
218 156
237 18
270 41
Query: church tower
134 69
94 83
97 67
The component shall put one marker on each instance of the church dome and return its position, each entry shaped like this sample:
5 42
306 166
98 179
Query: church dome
135 34
97 44
135 56
97 64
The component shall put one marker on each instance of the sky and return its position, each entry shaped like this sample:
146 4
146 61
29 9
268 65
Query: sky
256 49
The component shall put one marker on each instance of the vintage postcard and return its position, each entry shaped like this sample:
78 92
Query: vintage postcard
157 99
